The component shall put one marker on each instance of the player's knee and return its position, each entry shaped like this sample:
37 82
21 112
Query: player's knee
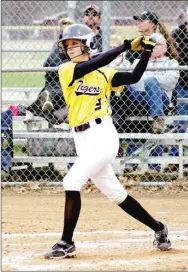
118 197
71 184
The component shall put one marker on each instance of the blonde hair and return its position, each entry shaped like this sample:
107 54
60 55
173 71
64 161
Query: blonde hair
117 38
172 52
65 21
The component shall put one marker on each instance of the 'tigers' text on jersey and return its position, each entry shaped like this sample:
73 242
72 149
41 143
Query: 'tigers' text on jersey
87 90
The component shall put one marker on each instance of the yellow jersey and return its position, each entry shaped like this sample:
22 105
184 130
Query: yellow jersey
89 96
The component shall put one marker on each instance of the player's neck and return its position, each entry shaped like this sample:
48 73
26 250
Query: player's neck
82 58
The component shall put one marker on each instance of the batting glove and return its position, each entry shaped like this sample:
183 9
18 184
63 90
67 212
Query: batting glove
134 45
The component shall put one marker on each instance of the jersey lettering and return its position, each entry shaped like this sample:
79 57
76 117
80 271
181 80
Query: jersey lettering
87 90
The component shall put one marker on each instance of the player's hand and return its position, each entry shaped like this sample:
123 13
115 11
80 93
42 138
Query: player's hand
135 44
148 43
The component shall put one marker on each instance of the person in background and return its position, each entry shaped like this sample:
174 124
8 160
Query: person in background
148 23
92 18
116 41
157 86
50 103
181 37
154 92
56 57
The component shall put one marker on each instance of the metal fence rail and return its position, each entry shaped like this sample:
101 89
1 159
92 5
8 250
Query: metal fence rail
50 69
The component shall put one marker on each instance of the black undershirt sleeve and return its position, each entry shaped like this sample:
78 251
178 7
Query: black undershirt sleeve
81 69
127 78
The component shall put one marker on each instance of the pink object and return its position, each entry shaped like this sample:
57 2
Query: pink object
14 109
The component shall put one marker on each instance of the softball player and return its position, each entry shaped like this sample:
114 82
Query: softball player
87 85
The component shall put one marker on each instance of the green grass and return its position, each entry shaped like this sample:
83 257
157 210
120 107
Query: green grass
19 80
19 150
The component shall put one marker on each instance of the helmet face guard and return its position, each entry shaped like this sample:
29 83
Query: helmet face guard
82 33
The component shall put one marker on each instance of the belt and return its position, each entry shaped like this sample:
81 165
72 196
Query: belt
87 125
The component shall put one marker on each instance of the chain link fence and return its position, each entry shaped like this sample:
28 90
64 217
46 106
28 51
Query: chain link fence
151 116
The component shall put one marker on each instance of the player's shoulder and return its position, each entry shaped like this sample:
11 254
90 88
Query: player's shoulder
67 65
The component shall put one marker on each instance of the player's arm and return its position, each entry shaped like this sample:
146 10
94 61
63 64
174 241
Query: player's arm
105 58
127 78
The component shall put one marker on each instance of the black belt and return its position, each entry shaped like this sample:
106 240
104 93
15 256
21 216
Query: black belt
85 126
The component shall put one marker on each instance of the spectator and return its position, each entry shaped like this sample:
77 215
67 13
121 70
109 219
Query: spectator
50 103
155 87
181 37
92 18
115 41
149 23
154 91
6 140
56 58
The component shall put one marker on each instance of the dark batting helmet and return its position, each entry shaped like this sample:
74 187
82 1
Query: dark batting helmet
82 33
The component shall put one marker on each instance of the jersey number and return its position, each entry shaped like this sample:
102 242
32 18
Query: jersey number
98 104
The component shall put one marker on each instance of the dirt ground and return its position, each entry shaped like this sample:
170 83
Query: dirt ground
106 238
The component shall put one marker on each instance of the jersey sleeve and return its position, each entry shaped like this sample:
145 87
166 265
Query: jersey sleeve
110 74
66 72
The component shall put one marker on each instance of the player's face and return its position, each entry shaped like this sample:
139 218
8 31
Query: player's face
74 48
145 27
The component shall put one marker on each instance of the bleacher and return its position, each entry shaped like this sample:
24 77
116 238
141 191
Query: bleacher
28 124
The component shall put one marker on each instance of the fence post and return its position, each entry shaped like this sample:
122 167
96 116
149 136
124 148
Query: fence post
180 161
142 6
71 9
106 24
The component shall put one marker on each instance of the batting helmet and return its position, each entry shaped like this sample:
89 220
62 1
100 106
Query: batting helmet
82 33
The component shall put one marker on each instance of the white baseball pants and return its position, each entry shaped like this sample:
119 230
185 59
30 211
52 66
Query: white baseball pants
96 147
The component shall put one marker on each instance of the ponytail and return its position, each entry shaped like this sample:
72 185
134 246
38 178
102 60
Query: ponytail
172 52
